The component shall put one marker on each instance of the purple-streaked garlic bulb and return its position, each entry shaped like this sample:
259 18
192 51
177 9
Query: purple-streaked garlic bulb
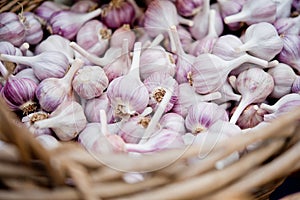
254 85
84 6
48 141
51 92
161 140
229 8
45 65
202 115
209 72
188 8
290 53
30 119
56 43
11 28
128 99
206 44
157 84
254 12
251 116
67 23
284 77
33 28
47 8
262 40
283 8
160 16
173 121
156 59
94 37
28 73
90 82
120 64
117 12
18 93
93 107
296 85
184 61
185 37
67 120
7 48
283 105
123 32
188 97
288 25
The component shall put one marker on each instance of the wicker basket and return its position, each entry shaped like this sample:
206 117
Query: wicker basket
28 171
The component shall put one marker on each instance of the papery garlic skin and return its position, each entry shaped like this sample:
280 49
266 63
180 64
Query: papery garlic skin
67 120
157 84
93 107
202 115
90 82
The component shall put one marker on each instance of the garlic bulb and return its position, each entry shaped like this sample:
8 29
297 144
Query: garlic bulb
124 32
47 8
287 25
93 107
156 59
284 77
173 121
254 85
30 119
251 116
84 6
188 8
262 40
283 105
127 99
157 84
188 97
67 120
28 73
94 37
45 65
33 28
90 82
56 43
53 91
202 115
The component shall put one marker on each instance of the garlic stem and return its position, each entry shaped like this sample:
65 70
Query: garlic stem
157 115
88 16
211 26
48 122
185 21
246 46
267 108
103 121
94 59
124 51
177 44
232 64
239 17
73 69
24 48
146 112
18 59
241 107
172 42
210 96
135 65
138 148
156 41
3 70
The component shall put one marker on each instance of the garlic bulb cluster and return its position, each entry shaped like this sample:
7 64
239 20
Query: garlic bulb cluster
116 77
